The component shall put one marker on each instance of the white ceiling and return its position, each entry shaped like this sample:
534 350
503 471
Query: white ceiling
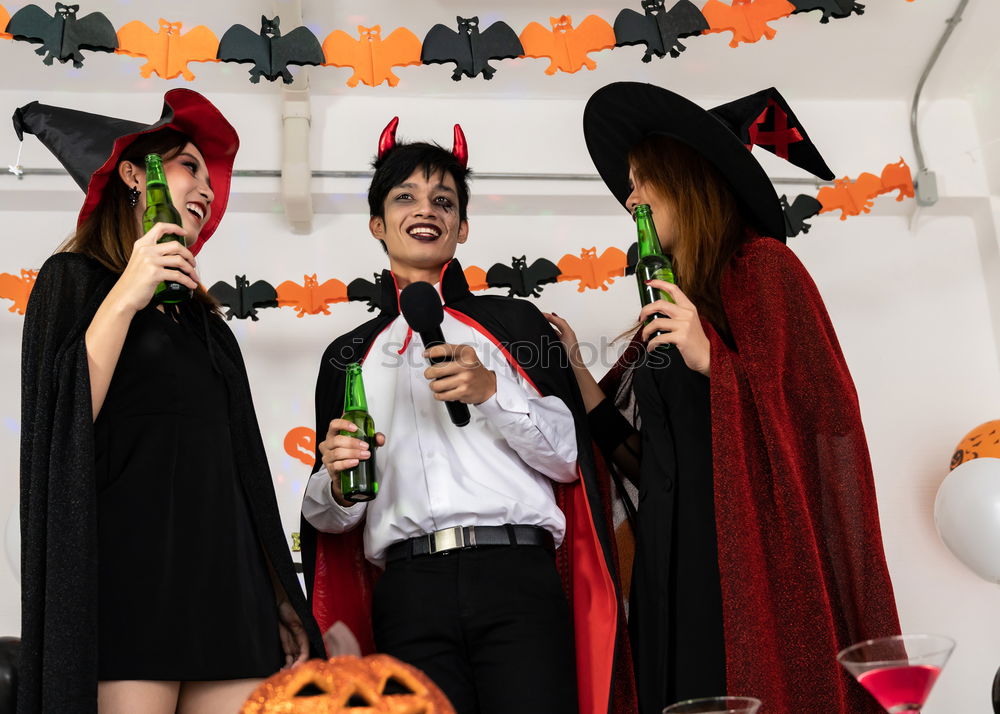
877 55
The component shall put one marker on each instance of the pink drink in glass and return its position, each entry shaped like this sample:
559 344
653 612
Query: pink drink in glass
899 671
900 689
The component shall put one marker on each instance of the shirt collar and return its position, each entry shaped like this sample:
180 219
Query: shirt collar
452 287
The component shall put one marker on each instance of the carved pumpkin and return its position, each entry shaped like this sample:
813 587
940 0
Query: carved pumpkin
349 684
983 441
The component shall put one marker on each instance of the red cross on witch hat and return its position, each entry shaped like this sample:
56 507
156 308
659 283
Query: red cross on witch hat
619 115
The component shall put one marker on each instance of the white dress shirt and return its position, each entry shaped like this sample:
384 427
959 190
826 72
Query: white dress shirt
433 474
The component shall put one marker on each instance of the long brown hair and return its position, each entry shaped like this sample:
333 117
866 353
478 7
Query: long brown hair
708 225
111 229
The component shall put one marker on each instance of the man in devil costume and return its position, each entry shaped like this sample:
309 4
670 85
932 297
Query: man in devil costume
473 525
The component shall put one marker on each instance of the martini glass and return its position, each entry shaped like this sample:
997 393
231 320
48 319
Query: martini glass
715 705
898 671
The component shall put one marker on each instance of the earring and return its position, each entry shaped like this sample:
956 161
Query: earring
133 196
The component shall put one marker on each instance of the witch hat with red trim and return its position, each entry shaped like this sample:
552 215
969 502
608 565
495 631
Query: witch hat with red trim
89 145
619 115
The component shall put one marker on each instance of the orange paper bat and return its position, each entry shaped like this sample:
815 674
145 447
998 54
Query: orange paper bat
592 271
851 198
17 288
476 278
565 45
300 443
4 19
897 177
167 50
311 297
746 19
372 57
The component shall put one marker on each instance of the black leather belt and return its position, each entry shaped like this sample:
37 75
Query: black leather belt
461 537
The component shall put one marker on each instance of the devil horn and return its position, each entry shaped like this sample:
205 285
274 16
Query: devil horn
461 148
388 139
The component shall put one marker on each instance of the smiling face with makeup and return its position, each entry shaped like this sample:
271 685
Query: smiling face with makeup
189 184
420 225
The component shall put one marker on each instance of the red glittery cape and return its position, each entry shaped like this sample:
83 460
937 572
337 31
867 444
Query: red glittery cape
802 568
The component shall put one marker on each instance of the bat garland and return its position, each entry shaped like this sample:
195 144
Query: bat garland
470 48
830 8
372 57
167 49
565 45
746 19
244 298
63 35
17 288
852 198
591 271
659 29
269 50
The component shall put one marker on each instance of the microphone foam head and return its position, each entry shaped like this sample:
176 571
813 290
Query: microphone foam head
421 306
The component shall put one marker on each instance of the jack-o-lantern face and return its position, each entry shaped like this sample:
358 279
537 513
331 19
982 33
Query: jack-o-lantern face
983 441
350 685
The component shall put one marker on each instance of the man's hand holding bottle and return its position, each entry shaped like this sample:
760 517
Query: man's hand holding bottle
341 453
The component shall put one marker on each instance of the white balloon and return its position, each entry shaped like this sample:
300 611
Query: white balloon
12 542
967 515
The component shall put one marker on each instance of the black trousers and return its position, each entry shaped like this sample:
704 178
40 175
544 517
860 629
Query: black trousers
490 626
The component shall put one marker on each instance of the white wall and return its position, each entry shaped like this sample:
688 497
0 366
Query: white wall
916 310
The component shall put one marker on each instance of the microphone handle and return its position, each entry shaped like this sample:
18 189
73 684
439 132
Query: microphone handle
458 411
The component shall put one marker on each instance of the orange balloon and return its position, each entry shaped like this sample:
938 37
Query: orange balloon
983 441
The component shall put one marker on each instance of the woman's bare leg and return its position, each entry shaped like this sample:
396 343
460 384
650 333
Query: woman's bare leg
131 696
215 697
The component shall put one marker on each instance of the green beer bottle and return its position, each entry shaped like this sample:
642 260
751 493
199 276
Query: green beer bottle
652 264
359 483
160 209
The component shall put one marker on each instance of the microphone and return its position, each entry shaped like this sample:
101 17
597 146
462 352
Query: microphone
421 308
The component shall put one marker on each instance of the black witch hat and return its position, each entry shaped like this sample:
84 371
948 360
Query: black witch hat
619 115
90 145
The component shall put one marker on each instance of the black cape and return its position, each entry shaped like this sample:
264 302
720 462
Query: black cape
58 664
339 580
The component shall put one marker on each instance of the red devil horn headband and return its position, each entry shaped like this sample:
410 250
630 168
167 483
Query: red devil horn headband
387 142
460 149
388 139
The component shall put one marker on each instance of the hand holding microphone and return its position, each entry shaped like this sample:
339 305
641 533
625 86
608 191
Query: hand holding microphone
458 377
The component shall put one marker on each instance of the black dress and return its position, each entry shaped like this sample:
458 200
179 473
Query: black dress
184 591
675 608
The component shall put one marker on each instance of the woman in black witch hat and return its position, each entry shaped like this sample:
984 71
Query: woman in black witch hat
155 573
758 550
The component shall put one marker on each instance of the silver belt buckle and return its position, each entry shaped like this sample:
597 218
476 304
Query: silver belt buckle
447 539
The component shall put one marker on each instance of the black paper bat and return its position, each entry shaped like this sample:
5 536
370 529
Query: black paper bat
631 259
469 48
522 280
270 51
804 206
244 299
659 29
63 36
361 290
831 8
